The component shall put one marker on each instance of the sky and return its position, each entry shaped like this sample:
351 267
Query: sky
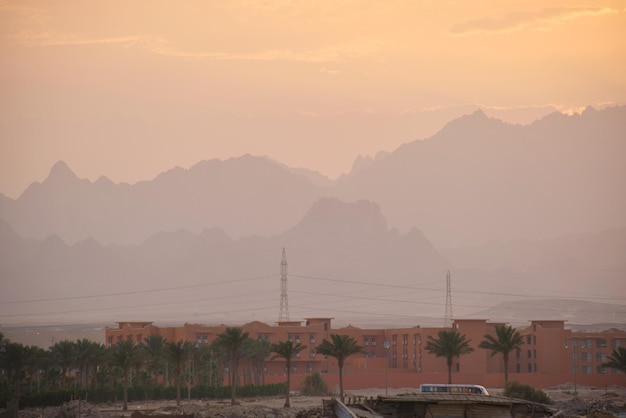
129 89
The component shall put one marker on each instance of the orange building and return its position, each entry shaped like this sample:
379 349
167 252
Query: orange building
396 357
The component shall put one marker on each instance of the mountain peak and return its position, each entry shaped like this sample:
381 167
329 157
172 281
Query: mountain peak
475 121
60 170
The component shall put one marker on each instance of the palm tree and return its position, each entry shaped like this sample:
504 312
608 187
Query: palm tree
341 347
64 355
505 341
617 360
254 353
230 343
33 361
126 355
286 350
155 347
448 344
86 353
15 359
177 353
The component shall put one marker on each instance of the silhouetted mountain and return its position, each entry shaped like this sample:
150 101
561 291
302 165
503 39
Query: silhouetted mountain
243 196
480 179
343 262
582 266
338 250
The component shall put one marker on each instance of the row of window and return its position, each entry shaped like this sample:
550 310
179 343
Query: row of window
597 342
586 356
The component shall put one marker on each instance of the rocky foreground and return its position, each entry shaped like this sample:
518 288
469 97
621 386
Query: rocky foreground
588 402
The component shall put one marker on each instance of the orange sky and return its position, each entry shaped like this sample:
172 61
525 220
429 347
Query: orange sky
130 89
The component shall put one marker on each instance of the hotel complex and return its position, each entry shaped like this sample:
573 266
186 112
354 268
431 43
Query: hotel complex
396 357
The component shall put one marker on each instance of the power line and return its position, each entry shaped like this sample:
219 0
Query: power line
134 292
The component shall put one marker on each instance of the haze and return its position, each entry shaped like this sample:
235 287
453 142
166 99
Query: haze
485 138
130 89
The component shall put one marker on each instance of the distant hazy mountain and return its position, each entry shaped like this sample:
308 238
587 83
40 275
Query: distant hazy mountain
243 196
578 314
579 266
480 179
342 257
477 180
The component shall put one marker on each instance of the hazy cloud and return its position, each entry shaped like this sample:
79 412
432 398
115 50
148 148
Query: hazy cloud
29 38
166 48
23 14
518 21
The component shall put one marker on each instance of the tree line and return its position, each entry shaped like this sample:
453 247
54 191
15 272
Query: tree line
163 366
154 365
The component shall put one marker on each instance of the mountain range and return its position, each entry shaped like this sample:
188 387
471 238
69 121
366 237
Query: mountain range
477 180
514 212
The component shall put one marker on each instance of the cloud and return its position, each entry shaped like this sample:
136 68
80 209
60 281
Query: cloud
518 21
33 39
24 14
312 56
164 47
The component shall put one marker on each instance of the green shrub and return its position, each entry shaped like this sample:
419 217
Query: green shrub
520 391
314 385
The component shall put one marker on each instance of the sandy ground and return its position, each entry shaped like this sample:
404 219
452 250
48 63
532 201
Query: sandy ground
561 394
589 399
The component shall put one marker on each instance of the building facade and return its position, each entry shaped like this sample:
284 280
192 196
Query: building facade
396 357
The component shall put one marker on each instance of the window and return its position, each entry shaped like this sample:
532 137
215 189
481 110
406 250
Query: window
585 356
529 354
312 353
297 355
366 340
601 357
373 354
534 340
586 370
373 339
405 339
517 354
294 369
138 339
530 368
517 368
289 337
600 343
616 343
534 353
110 341
602 370
297 339
309 368
312 339
528 339
119 338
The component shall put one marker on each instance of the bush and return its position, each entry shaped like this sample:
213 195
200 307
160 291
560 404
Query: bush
520 391
314 385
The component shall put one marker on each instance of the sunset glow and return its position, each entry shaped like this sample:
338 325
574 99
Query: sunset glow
131 89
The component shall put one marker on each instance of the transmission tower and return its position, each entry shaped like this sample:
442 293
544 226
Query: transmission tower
283 314
448 318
